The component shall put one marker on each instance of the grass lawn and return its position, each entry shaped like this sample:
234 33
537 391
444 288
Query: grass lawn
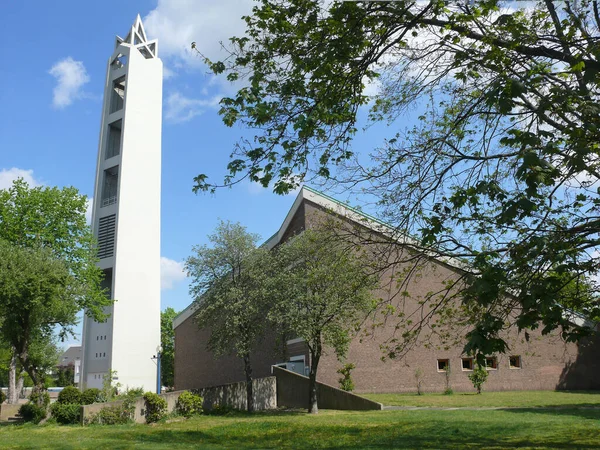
331 430
507 399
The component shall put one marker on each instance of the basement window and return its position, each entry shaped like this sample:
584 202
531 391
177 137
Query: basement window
467 364
117 97
515 362
442 365
491 363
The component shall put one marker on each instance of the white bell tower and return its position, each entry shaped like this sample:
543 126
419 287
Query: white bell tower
126 217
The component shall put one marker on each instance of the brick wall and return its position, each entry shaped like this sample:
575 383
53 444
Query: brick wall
547 362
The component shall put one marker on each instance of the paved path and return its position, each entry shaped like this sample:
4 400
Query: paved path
481 408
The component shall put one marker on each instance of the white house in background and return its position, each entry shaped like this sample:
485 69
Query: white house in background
72 357
126 216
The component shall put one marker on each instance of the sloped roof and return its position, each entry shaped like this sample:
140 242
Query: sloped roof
358 216
337 207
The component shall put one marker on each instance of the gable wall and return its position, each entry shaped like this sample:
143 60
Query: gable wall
547 362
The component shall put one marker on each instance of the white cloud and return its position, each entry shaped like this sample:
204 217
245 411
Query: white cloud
171 272
179 108
71 76
178 23
7 176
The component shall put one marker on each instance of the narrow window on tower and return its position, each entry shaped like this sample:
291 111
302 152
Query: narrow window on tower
117 95
111 184
114 140
106 284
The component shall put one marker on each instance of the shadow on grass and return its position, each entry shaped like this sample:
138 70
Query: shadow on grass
578 410
346 437
393 432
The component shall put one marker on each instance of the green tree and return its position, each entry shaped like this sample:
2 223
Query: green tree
478 377
167 342
47 270
501 169
324 294
230 287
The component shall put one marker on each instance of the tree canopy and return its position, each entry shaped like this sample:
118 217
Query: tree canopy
500 170
47 270
231 288
167 342
324 293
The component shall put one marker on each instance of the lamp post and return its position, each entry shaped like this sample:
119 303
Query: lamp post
157 357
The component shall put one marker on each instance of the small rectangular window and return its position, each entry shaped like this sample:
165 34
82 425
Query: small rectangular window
491 363
515 362
442 365
467 364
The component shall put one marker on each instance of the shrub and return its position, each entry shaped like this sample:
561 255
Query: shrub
2 397
110 415
66 413
40 397
69 395
133 392
189 404
156 407
346 383
448 391
89 396
31 412
478 377
220 410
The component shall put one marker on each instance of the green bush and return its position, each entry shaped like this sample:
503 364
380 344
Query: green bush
66 413
2 397
220 410
111 415
31 412
156 407
89 396
448 391
189 404
69 395
133 392
346 383
42 398
478 377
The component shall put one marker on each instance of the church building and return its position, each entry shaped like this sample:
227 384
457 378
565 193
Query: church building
538 363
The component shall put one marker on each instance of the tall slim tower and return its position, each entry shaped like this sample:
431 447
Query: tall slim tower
126 216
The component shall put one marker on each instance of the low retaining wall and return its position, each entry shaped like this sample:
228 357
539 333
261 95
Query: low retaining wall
234 395
139 408
285 388
7 411
292 391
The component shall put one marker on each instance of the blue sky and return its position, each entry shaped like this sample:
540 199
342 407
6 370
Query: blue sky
53 68
54 63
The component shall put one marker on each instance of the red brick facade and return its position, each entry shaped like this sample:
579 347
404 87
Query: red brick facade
546 362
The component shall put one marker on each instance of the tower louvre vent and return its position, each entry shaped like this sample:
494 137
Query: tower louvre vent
106 236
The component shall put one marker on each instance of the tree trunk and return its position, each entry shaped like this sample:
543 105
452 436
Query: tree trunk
20 383
315 355
13 393
249 391
38 381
